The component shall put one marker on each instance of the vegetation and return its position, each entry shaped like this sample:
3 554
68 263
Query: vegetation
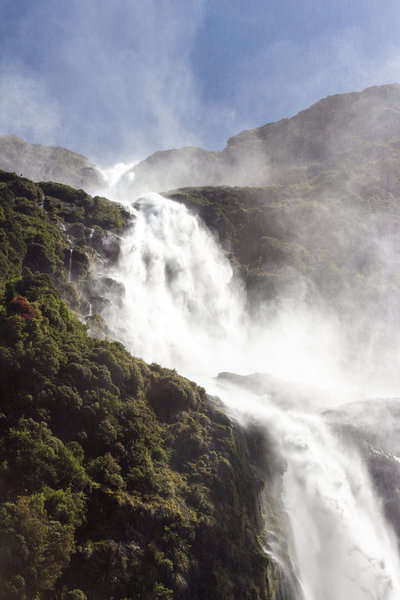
330 234
75 206
121 480
118 480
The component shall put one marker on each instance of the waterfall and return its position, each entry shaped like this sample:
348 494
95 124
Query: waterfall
341 545
71 251
184 308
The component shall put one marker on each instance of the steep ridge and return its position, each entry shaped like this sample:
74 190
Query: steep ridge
323 237
47 163
336 133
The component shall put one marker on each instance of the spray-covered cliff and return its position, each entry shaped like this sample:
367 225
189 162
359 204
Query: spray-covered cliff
337 134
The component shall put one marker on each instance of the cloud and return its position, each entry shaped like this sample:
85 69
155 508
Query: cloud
119 80
26 108
105 76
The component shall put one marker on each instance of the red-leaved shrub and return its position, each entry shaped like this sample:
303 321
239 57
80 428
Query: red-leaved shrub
20 306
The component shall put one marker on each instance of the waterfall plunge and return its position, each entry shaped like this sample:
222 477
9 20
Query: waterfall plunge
183 309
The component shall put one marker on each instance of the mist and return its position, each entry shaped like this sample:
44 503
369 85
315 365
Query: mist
184 306
330 283
154 76
300 354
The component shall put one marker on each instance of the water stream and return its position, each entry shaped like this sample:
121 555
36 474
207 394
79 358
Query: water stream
185 308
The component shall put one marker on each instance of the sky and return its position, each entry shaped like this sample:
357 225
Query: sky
117 80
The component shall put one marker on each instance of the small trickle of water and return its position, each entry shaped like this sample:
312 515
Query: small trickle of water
71 251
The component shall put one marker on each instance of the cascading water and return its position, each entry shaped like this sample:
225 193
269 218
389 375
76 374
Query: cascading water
342 547
71 251
184 309
181 307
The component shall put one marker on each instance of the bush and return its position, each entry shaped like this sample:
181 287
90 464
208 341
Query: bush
20 306
75 595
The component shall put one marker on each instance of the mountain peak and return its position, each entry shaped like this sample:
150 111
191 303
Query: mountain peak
316 138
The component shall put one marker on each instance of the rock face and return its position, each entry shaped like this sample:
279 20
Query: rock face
379 446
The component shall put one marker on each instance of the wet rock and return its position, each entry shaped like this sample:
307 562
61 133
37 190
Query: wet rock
104 286
76 262
106 243
97 327
98 303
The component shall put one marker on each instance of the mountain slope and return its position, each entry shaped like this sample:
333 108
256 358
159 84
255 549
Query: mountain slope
331 134
47 163
143 481
335 133
117 479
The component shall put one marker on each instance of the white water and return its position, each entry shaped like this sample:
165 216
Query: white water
71 251
112 175
183 309
342 546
